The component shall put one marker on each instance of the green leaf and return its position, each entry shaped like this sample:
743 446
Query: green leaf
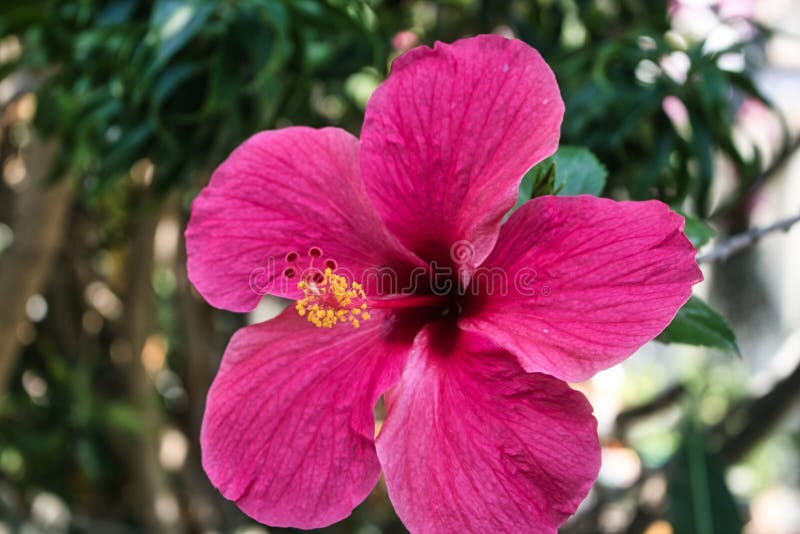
698 232
122 416
175 22
115 12
699 499
540 180
570 171
171 79
578 172
697 324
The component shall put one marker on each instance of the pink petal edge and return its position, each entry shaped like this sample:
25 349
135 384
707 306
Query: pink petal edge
590 281
473 444
449 135
281 191
288 428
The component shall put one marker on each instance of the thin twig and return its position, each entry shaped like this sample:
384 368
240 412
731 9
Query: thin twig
749 188
789 149
663 400
741 241
764 413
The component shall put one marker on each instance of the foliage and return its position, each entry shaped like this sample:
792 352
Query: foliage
182 82
609 59
700 501
570 171
697 324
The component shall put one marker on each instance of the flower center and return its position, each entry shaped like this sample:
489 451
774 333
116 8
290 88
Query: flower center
328 298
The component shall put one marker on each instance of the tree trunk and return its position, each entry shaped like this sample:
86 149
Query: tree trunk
42 211
153 496
202 353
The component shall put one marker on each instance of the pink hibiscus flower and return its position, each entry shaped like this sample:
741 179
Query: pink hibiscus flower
472 336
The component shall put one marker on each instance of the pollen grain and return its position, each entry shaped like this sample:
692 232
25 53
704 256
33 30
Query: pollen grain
328 299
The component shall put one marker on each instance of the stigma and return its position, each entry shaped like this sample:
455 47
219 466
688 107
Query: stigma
328 298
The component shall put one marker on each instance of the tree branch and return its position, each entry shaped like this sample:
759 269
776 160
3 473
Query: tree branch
741 241
789 149
749 188
763 414
663 400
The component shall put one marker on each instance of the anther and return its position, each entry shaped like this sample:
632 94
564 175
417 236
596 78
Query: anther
328 299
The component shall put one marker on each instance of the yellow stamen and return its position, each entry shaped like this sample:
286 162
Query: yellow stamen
332 300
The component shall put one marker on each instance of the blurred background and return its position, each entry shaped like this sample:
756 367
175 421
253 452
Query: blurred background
113 114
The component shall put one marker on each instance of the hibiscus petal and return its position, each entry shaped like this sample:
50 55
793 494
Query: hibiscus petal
589 281
473 444
288 428
448 136
282 191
